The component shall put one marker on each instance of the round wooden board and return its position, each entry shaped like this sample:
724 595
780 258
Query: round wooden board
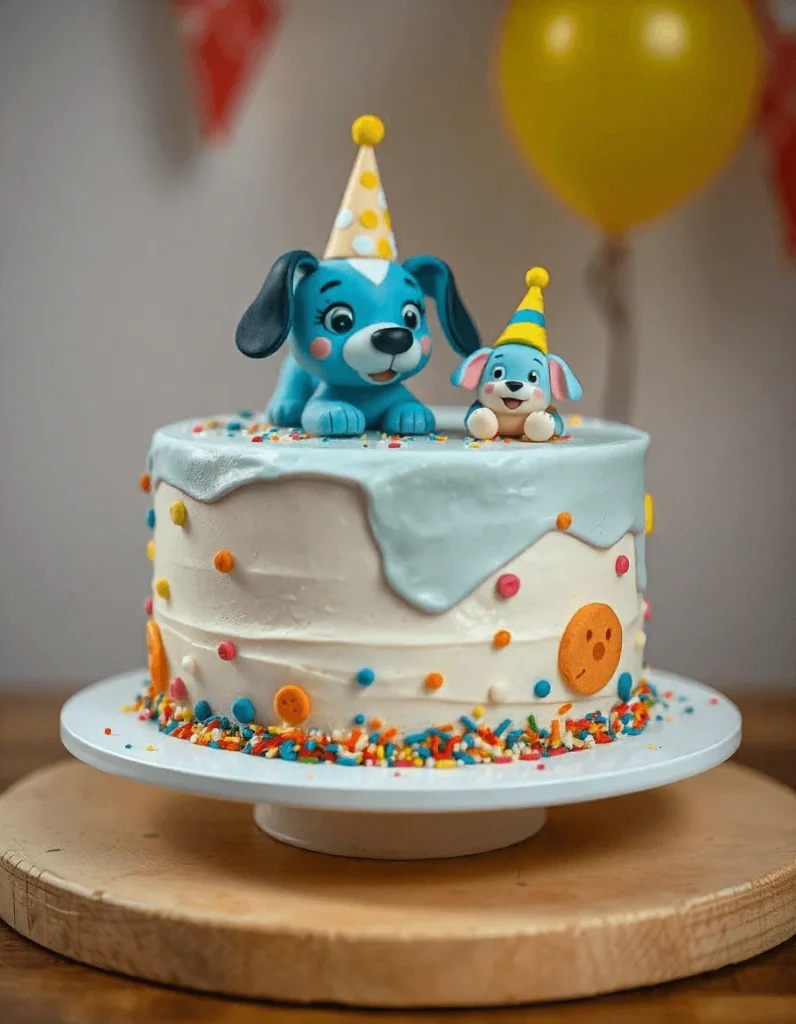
610 895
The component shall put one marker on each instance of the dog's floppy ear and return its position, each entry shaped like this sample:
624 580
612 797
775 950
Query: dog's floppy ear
468 375
267 322
436 279
563 382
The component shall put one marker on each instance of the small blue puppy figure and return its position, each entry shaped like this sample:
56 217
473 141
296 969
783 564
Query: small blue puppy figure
357 329
355 321
517 379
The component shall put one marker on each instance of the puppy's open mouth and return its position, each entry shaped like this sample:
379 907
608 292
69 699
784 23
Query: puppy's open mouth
383 376
512 403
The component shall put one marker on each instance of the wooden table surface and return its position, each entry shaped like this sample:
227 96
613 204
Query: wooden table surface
38 986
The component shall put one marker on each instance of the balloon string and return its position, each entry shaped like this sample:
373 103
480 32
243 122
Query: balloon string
607 279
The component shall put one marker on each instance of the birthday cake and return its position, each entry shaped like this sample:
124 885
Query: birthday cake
353 577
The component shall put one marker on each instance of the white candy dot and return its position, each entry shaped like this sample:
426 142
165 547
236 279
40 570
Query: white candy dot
363 245
498 692
641 639
382 201
188 664
345 218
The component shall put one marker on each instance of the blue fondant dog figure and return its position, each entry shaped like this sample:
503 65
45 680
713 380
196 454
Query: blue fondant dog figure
517 379
357 329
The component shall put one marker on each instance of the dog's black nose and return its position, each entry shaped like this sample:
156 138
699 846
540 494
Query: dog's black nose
514 385
392 340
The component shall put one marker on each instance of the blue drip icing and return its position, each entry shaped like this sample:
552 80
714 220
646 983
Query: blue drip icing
445 516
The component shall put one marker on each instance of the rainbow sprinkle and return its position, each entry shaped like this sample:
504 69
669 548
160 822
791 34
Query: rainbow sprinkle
467 742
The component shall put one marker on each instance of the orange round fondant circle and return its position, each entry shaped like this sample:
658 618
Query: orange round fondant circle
156 657
292 704
590 648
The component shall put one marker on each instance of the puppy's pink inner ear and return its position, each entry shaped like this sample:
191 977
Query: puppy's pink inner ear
473 370
320 348
558 381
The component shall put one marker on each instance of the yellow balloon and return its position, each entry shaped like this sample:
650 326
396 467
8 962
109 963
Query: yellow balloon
626 107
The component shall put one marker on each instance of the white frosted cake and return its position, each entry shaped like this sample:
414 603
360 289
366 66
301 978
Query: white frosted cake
392 586
352 577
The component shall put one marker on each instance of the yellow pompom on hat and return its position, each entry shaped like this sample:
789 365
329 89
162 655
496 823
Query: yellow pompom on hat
527 326
362 228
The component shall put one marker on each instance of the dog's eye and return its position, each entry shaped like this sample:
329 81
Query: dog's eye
338 318
498 373
533 377
411 315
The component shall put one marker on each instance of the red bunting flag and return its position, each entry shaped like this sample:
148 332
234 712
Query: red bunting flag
225 42
778 118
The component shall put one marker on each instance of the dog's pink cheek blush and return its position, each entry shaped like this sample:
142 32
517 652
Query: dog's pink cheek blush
489 388
320 348
538 393
425 344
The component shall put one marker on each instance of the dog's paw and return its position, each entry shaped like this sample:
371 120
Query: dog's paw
408 418
539 426
333 419
483 424
285 412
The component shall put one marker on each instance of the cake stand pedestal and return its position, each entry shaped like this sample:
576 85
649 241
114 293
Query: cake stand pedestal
648 885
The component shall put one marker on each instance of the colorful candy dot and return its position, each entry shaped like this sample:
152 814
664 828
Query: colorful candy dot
502 638
243 710
498 692
227 650
478 711
145 482
189 664
177 689
150 550
641 639
148 603
647 610
223 561
365 676
178 513
150 518
162 588
563 521
542 688
359 719
108 731
507 585
625 687
434 680
202 710
622 565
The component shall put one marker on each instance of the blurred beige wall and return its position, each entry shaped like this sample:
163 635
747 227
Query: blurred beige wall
127 255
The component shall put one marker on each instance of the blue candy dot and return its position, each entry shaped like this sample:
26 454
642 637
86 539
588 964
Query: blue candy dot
542 688
625 686
245 414
201 710
233 425
359 719
243 710
365 676
150 518
128 746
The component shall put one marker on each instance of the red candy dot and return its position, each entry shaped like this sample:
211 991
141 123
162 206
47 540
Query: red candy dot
148 605
227 650
622 565
508 584
177 689
197 428
647 610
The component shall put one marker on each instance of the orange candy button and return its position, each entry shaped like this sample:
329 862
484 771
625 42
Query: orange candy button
292 704
563 520
590 648
156 656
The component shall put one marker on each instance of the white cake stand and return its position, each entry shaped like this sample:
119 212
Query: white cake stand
404 814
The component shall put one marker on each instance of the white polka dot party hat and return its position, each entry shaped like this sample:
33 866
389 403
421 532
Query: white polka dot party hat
363 227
